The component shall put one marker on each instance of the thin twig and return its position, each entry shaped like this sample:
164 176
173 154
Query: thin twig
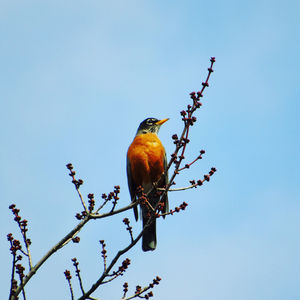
179 189
12 273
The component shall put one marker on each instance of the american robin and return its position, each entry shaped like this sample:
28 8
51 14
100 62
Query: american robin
146 162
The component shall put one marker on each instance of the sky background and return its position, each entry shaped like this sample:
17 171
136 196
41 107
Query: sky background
77 78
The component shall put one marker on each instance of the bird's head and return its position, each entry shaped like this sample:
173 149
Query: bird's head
150 125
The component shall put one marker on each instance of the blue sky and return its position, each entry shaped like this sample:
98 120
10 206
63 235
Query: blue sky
77 78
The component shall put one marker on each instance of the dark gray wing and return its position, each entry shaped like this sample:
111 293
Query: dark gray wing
132 188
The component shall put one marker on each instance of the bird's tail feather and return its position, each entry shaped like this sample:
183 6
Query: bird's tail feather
149 236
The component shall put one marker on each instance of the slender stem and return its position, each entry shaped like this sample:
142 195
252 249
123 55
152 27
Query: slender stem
23 291
12 275
111 213
28 251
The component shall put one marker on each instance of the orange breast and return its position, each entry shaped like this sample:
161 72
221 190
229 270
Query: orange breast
146 156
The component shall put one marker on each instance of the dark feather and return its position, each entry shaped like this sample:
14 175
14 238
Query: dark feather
132 189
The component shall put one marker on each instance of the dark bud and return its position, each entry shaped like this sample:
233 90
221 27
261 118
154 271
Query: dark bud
192 182
156 280
17 218
10 237
206 177
174 137
212 59
183 205
126 221
19 257
199 94
68 275
80 181
198 104
202 152
205 84
12 206
150 294
199 182
193 95
16 211
69 166
183 113
90 196
210 70
78 216
76 239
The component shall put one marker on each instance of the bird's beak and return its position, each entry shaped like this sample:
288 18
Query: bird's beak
160 122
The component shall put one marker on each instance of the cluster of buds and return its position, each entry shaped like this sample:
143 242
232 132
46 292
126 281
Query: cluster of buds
125 289
187 114
21 223
161 206
122 268
177 209
15 244
80 216
91 202
189 120
115 196
139 290
206 177
103 252
112 196
68 275
128 227
76 239
20 270
75 264
142 197
196 96
72 173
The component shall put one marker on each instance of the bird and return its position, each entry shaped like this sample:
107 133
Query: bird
146 165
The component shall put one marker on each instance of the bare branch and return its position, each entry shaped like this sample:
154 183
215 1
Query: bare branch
77 271
68 278
77 184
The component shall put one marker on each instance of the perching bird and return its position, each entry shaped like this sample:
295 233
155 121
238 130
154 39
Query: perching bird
146 162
